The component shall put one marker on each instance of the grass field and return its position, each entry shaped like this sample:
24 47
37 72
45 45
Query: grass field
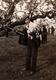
12 59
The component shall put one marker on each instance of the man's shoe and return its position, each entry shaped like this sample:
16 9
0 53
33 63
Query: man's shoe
24 69
23 72
32 72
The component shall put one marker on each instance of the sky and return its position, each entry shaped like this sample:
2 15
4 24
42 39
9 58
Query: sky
3 5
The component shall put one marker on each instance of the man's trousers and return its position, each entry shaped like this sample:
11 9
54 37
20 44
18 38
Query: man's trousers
31 57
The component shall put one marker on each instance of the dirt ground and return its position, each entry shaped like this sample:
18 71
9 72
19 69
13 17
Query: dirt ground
12 59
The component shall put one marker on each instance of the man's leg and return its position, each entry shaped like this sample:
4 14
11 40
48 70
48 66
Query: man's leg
28 56
34 59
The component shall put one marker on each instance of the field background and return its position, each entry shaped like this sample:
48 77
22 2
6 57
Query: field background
12 59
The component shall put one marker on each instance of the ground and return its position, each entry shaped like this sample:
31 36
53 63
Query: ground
12 59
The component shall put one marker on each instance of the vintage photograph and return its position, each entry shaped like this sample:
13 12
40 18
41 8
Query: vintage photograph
27 39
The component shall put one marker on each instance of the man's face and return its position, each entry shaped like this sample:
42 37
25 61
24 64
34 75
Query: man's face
12 0
27 20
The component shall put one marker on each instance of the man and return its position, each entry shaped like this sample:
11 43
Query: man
44 34
52 30
32 48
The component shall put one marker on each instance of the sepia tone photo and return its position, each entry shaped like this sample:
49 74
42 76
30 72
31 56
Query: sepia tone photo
27 39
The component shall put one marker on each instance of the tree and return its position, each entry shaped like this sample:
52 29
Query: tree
32 8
